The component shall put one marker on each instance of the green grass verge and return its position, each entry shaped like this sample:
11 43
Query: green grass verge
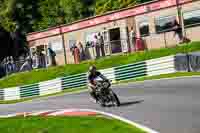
65 125
107 62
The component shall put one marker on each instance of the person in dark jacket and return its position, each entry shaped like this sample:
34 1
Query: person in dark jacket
52 55
92 74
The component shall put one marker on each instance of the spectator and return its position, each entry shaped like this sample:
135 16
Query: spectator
82 51
96 47
52 55
132 37
76 55
41 59
27 66
13 66
10 66
2 71
178 30
34 60
72 48
101 43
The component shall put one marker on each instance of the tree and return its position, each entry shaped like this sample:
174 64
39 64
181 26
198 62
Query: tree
75 9
17 18
50 14
103 6
6 47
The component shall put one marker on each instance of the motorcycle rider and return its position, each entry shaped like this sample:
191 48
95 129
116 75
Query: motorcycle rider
92 74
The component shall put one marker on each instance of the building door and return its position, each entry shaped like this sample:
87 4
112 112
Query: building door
115 40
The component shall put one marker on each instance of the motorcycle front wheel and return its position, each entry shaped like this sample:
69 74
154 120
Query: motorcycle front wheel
115 99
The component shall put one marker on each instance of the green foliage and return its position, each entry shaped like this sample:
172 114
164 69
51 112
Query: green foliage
65 125
113 61
50 14
56 12
5 15
103 6
34 15
18 14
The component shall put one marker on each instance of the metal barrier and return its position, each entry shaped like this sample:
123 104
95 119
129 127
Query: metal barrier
130 71
2 94
74 81
160 66
29 90
152 67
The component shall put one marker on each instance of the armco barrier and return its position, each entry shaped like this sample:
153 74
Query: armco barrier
131 71
74 81
29 90
152 67
12 93
160 66
50 87
2 94
110 74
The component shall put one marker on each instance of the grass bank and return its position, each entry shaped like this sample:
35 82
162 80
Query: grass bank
65 125
107 62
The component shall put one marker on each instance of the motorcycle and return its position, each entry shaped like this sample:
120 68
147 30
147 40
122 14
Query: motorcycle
105 95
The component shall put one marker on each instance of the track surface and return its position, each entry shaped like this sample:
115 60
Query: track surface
168 106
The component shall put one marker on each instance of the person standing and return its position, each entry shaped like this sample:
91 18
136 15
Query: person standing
52 55
34 60
76 55
178 30
82 51
41 59
132 37
101 43
27 66
96 46
8 66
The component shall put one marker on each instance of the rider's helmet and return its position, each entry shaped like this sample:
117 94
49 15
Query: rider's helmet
92 68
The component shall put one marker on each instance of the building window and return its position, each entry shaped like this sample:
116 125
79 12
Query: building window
165 24
192 18
144 28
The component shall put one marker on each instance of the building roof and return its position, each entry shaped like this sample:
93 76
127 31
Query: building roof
107 17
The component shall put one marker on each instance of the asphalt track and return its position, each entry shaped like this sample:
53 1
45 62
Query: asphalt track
168 106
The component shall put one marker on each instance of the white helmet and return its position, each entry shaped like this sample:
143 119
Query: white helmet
92 68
